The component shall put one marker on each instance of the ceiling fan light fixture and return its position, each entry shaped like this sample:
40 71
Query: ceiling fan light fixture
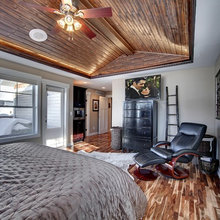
67 2
61 23
77 25
68 19
70 28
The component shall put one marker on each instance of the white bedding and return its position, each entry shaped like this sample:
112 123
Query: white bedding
121 160
8 125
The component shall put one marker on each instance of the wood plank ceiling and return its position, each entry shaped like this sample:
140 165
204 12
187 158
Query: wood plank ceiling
141 34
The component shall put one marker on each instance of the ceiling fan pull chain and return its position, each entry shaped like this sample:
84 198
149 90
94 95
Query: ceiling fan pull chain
70 36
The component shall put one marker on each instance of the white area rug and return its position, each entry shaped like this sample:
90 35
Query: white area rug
121 160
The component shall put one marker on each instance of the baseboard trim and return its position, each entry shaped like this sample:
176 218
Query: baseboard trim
94 133
70 145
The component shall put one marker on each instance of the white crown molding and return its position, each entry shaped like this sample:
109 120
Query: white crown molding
30 63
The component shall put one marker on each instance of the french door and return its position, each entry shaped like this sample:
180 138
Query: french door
53 117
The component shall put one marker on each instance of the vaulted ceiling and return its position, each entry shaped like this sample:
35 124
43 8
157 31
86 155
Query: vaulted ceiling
141 34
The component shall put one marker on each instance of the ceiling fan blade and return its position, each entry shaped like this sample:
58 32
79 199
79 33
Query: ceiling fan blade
30 5
97 12
86 30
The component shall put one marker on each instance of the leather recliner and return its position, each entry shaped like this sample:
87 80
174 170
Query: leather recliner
181 149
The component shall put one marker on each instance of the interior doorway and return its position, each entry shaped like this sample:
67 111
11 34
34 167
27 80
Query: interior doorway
103 115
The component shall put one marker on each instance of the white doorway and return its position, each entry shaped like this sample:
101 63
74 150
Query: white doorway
54 116
103 115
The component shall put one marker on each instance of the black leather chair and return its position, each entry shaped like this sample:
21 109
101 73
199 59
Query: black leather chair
181 149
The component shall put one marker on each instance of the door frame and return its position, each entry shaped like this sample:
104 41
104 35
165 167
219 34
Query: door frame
64 86
88 110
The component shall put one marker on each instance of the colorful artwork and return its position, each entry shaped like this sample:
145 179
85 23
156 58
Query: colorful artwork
95 105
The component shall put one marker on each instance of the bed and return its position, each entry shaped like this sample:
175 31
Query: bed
39 182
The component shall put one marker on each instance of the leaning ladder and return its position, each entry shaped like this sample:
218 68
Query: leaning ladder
172 110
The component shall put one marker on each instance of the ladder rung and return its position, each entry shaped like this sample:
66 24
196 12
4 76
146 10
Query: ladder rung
172 104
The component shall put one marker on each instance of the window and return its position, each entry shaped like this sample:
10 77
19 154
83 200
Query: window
18 109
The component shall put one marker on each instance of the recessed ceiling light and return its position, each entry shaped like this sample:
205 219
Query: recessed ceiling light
103 87
84 82
38 35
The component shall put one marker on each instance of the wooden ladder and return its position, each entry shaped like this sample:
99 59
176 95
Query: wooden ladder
172 110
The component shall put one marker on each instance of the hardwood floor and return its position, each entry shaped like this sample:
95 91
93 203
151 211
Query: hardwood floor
197 197
103 141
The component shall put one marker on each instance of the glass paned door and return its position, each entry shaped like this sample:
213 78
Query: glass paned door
54 119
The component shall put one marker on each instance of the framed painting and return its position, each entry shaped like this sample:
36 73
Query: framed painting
95 105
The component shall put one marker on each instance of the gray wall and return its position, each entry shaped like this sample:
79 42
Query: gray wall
196 98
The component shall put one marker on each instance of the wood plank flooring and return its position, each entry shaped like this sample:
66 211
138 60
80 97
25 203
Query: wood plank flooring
197 197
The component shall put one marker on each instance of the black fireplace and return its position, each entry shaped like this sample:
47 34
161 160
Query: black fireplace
78 130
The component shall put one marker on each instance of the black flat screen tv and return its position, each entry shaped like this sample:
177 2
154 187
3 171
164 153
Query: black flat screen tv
148 87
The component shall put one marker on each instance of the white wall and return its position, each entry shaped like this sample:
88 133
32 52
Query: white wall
118 97
217 122
196 98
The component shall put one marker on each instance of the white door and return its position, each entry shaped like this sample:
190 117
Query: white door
54 117
103 115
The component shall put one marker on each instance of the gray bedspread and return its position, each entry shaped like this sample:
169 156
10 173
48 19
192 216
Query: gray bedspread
39 182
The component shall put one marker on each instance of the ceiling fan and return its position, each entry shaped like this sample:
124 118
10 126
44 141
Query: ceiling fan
73 17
